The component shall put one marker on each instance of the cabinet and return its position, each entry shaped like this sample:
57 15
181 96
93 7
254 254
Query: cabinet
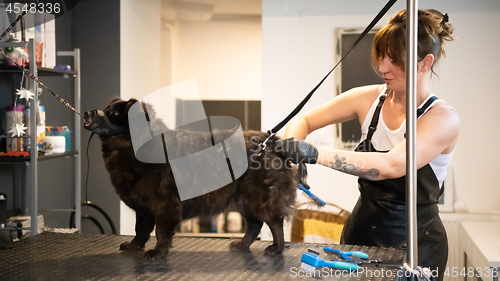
30 194
480 250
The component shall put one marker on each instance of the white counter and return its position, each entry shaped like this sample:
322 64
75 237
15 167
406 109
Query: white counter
480 242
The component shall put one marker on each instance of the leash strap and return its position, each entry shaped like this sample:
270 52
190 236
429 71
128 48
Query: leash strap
424 107
306 99
13 24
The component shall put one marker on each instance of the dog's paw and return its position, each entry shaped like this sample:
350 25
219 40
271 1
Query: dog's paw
130 246
238 245
154 255
273 250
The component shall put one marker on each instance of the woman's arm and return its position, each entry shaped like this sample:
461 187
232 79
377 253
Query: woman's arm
437 131
347 106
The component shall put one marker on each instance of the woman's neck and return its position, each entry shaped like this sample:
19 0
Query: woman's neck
422 93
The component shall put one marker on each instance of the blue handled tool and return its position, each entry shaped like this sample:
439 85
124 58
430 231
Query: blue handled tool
347 255
311 262
315 198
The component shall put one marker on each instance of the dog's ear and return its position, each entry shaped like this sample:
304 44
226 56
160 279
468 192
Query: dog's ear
130 103
115 100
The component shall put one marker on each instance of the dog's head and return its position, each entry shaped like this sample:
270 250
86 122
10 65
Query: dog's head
112 121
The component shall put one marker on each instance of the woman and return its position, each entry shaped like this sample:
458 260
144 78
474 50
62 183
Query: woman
378 219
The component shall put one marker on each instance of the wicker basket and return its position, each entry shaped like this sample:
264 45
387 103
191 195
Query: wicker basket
311 214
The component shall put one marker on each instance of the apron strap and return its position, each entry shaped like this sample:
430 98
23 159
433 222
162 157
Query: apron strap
376 114
427 104
423 109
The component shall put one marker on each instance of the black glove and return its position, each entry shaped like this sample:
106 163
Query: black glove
298 151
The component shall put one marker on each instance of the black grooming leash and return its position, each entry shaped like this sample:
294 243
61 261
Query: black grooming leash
89 204
88 169
292 114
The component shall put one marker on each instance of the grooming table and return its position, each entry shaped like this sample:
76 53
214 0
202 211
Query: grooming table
61 256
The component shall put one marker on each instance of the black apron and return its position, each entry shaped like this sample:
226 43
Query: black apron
379 216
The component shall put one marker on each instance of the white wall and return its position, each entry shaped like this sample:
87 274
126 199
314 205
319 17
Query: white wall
139 47
224 56
298 49
139 64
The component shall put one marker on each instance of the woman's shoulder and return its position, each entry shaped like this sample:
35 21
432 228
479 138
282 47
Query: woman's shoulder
365 96
442 120
443 109
361 99
369 91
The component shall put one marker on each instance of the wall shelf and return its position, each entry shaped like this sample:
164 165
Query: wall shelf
31 162
42 71
9 159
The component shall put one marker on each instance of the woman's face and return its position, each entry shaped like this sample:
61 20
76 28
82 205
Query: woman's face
394 76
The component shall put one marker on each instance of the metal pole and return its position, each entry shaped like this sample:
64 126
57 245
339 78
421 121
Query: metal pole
33 184
78 163
75 54
411 129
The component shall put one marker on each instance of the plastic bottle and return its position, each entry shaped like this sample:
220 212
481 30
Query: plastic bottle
234 222
66 133
14 116
12 53
40 123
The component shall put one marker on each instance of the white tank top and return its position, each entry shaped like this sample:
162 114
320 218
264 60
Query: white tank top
384 139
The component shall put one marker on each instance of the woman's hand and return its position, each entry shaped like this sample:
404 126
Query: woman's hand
298 151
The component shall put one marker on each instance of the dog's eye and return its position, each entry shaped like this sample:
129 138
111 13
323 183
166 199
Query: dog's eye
114 113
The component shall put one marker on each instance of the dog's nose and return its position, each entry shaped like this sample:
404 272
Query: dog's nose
91 114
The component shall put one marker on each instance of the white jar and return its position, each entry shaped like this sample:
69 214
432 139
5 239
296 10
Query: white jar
234 222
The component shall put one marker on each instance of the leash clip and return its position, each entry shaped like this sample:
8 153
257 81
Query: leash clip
263 145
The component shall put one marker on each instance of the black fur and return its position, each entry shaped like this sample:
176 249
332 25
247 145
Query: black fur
265 193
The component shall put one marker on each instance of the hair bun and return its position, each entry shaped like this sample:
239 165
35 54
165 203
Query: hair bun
446 18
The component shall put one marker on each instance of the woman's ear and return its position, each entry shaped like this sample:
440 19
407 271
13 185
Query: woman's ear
426 63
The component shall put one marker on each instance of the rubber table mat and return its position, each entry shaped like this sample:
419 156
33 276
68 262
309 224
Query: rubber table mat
58 256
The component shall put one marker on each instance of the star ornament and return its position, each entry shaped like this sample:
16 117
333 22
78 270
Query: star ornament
18 130
25 94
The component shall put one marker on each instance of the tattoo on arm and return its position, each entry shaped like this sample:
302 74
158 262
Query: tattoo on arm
340 165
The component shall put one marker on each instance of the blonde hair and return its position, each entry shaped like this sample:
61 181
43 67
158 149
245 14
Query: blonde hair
433 30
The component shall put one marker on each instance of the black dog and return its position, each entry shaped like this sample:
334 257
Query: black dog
264 193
